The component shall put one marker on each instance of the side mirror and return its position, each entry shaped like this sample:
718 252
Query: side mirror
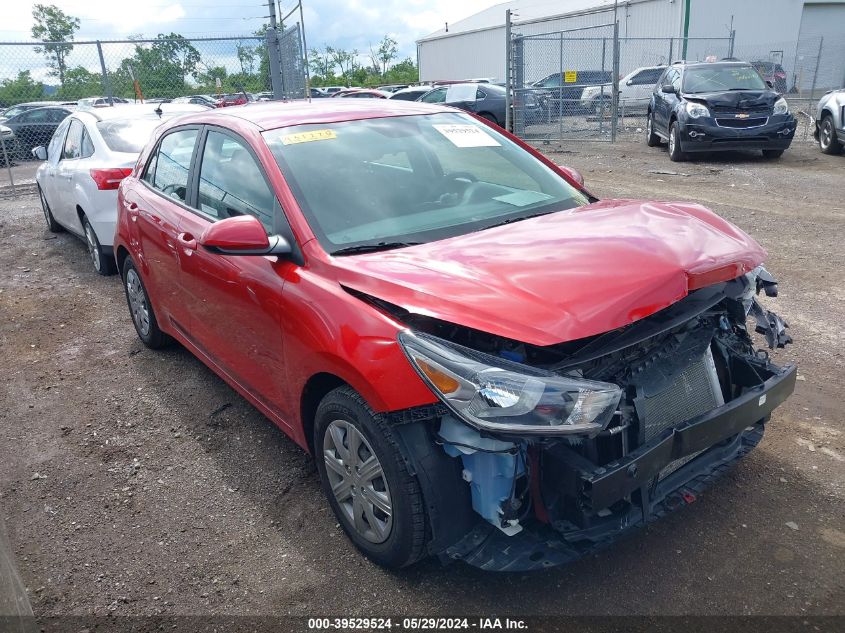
770 83
242 235
667 89
40 152
574 174
630 82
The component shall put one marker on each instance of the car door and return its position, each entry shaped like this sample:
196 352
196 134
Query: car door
638 89
64 203
156 209
234 301
663 102
54 154
438 95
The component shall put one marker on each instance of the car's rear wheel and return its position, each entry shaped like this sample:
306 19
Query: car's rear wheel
828 141
374 497
52 225
675 153
103 263
140 308
772 153
651 139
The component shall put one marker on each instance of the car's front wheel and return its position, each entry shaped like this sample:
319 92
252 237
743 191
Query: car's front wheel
103 263
675 153
140 308
376 500
828 142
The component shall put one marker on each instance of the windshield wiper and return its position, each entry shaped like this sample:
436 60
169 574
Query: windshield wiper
370 248
518 219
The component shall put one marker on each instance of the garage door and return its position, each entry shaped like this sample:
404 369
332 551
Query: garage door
821 48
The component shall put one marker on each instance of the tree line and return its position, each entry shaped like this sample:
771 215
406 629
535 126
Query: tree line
171 66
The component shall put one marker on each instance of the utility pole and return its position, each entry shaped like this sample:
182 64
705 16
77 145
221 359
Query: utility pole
273 54
305 53
508 77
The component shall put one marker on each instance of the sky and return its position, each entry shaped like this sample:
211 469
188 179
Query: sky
347 24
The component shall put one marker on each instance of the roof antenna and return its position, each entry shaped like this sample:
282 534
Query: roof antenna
158 110
447 27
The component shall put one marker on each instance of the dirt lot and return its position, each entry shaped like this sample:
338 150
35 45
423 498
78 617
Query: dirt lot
136 482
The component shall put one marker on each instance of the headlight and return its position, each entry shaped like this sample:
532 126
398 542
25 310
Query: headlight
494 394
696 110
781 106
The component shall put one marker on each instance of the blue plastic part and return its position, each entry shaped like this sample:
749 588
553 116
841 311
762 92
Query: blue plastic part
512 355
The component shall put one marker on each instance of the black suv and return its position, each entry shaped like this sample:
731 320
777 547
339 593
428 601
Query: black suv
719 106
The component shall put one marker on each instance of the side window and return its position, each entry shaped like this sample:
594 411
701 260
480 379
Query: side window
172 160
480 94
87 146
232 183
676 80
73 144
435 96
664 78
646 77
54 149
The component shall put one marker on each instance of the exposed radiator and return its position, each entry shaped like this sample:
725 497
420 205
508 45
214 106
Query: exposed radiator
693 391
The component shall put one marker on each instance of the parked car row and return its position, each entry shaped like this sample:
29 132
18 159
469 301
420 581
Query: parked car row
488 363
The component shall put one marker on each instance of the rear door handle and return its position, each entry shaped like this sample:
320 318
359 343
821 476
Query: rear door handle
186 240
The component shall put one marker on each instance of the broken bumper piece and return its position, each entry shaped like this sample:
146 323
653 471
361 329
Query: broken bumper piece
633 491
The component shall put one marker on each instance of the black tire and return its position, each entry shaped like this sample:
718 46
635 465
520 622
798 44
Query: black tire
52 225
772 153
489 117
651 139
103 263
404 542
828 141
675 153
151 335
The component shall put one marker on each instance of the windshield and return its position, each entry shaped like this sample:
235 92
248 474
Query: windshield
721 78
128 136
411 179
13 111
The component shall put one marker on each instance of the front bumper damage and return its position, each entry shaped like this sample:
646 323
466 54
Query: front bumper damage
697 398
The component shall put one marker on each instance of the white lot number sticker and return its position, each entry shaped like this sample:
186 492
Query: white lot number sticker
467 135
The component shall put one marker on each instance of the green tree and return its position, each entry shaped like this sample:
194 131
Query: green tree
161 68
80 82
386 53
246 58
54 25
20 89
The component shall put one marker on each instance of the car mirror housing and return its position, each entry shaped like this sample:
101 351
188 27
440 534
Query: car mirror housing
574 174
242 235
770 83
40 152
667 88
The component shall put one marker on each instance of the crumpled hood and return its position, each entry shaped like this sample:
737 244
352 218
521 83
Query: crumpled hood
562 276
739 99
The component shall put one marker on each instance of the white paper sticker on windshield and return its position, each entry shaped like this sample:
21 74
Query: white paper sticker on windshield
467 135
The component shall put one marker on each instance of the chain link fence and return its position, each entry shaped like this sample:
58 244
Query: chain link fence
66 75
590 84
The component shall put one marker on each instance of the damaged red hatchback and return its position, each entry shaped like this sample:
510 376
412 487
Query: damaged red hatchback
488 363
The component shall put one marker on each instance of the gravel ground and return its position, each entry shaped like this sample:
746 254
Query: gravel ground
135 482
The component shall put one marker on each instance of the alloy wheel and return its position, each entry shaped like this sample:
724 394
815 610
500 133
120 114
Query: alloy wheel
826 133
672 141
93 249
358 481
648 127
138 302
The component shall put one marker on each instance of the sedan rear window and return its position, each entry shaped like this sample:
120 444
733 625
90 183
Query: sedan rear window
128 136
412 179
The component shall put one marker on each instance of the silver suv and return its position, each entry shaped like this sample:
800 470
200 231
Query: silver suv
830 122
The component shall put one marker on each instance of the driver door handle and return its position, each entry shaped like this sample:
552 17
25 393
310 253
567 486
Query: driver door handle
186 240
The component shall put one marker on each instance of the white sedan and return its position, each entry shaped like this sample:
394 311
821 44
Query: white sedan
89 154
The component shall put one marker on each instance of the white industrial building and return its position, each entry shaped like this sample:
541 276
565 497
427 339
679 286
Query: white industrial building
789 32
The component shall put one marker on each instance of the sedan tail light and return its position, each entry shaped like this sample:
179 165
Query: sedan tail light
109 178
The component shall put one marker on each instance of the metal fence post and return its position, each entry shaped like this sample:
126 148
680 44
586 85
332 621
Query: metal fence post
106 83
8 163
275 67
519 84
614 101
671 50
508 86
731 45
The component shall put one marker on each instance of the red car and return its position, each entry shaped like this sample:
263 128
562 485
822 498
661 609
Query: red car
487 362
236 98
